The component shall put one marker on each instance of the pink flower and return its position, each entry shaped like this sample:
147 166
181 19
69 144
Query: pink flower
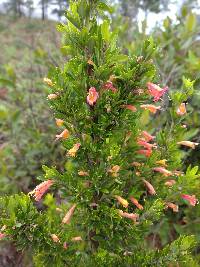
65 245
146 152
68 215
148 137
191 199
92 96
136 203
64 135
144 143
163 171
170 182
132 216
109 86
172 206
181 109
130 107
149 187
156 91
151 108
77 238
39 191
188 144
2 235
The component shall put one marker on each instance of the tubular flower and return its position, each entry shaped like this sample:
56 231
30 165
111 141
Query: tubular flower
72 152
83 173
68 215
170 182
149 187
65 245
136 164
64 135
77 238
151 108
92 96
148 137
40 189
130 107
146 145
136 203
156 91
55 238
162 162
52 96
48 81
114 171
2 235
163 171
181 109
122 201
172 206
59 122
146 152
109 86
191 199
188 144
132 216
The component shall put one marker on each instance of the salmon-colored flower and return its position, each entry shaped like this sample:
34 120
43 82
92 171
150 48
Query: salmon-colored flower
162 162
136 203
55 238
65 245
83 173
146 152
172 206
2 235
191 199
145 144
77 238
151 108
40 189
170 182
64 135
114 171
188 144
136 164
148 137
156 91
69 215
149 187
132 216
92 96
163 171
130 107
52 96
48 81
181 109
90 62
59 122
72 152
109 86
122 201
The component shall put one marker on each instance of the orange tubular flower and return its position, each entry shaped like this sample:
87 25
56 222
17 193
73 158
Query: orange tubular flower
122 201
69 215
146 152
149 187
156 91
48 81
163 171
191 199
130 107
170 183
132 216
77 238
52 96
188 144
151 108
59 122
148 137
114 171
109 86
64 135
39 191
72 152
136 203
181 109
146 145
92 96
55 238
83 173
172 206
